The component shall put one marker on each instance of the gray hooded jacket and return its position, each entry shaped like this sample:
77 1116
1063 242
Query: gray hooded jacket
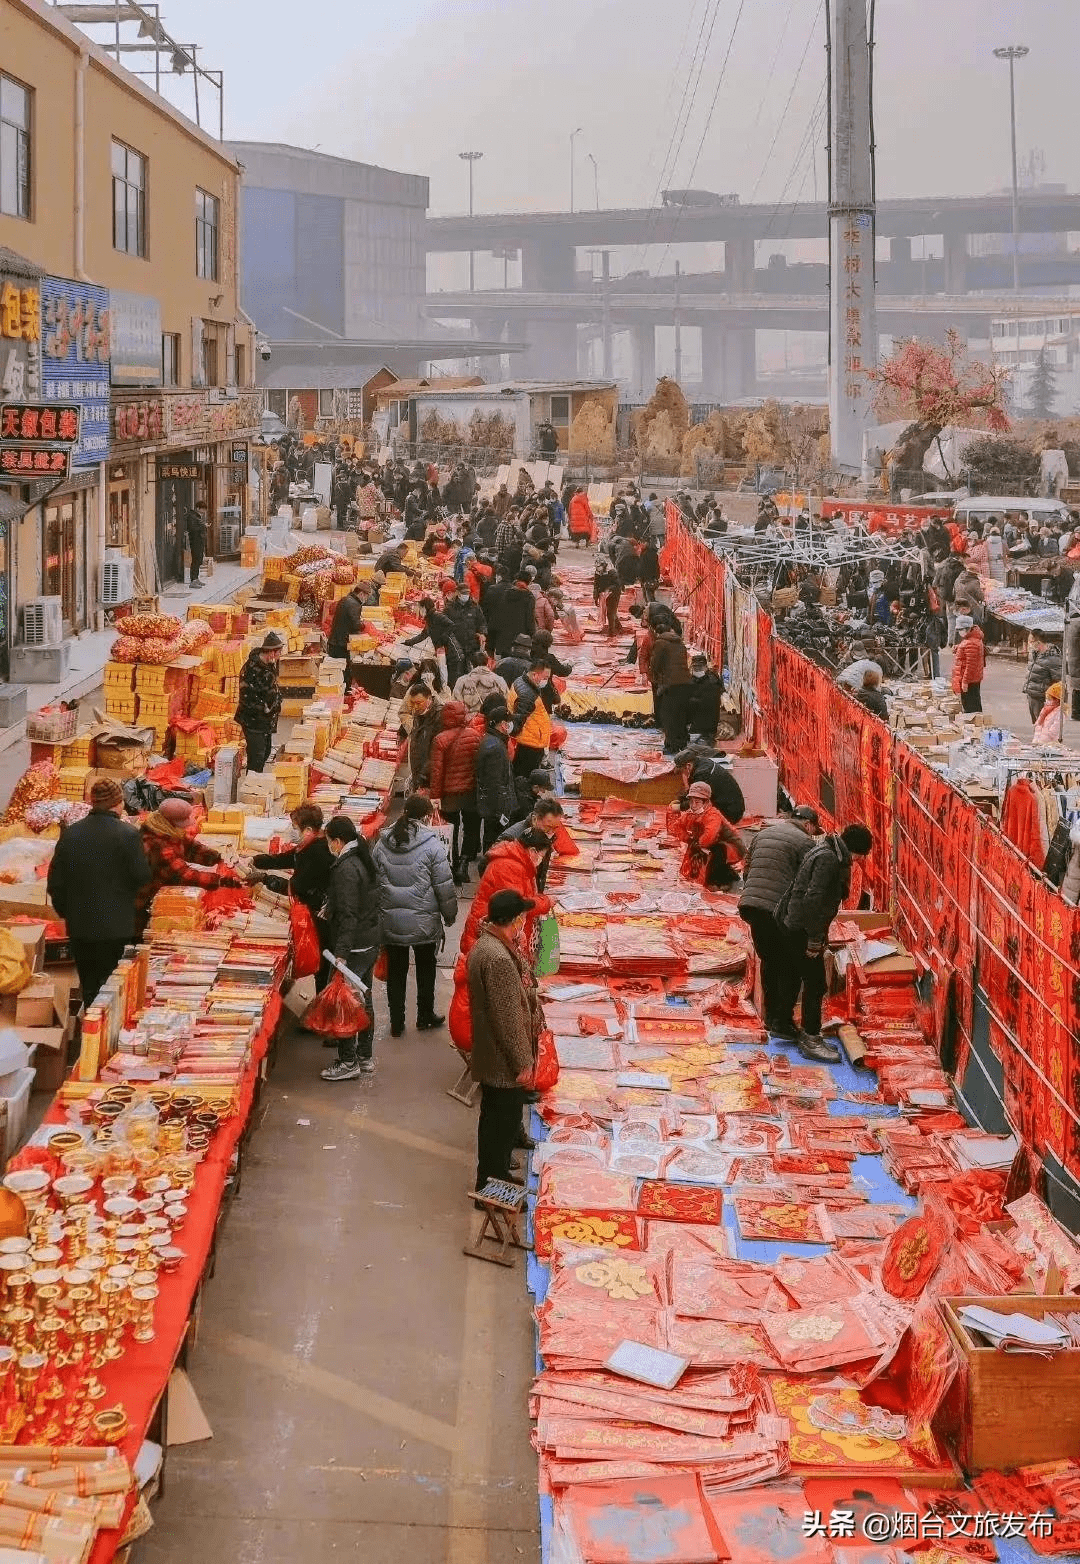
415 887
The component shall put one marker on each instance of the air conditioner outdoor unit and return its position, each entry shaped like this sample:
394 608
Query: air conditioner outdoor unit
117 581
43 622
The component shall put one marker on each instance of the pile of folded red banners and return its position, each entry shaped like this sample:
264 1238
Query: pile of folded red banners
740 1256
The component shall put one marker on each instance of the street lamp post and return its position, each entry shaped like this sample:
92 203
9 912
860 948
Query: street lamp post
1013 52
573 134
471 158
595 181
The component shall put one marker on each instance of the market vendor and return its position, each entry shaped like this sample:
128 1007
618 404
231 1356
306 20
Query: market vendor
440 631
713 849
175 858
347 620
310 860
259 706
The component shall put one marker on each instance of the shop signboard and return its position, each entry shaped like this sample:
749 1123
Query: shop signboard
20 339
238 455
171 470
75 360
192 419
135 332
138 420
19 463
36 441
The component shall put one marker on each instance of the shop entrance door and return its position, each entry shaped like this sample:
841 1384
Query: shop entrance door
58 555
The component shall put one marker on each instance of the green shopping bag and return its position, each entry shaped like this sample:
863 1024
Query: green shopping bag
547 960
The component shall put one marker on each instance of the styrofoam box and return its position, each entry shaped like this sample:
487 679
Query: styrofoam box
13 1108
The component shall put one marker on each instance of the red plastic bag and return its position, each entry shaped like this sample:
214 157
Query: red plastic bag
338 1011
558 736
459 1016
381 970
305 940
546 1073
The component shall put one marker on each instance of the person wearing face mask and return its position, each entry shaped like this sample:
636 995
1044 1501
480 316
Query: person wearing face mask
351 917
512 865
506 1018
712 847
703 702
495 794
531 718
310 860
467 619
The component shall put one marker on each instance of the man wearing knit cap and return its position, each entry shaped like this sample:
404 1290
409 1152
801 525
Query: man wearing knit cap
259 706
95 875
176 858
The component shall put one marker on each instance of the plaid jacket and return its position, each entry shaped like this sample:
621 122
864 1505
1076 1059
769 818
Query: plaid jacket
176 860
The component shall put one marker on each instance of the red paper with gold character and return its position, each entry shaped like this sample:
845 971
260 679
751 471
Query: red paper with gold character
947 1519
813 1448
778 1219
611 1230
680 1202
914 1253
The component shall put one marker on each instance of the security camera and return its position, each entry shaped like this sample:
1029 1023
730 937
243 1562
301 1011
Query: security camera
265 351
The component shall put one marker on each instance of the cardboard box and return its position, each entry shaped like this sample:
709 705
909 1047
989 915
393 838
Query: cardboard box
34 1006
31 937
50 1056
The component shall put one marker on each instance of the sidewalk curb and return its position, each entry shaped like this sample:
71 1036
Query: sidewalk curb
81 684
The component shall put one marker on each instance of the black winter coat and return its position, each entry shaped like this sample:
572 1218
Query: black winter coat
310 867
771 864
97 868
727 795
348 616
703 707
259 706
352 908
1045 670
468 622
517 616
823 880
495 796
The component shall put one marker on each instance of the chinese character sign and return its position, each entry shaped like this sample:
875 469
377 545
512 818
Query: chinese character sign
135 339
141 420
853 348
75 344
20 339
33 461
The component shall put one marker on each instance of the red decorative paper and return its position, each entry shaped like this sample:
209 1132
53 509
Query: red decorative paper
615 1229
780 1219
662 1518
913 1254
679 1202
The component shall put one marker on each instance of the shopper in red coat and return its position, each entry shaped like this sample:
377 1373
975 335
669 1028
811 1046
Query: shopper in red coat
511 866
582 522
712 847
969 663
453 782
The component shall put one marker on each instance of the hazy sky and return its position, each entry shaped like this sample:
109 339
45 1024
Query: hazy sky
410 84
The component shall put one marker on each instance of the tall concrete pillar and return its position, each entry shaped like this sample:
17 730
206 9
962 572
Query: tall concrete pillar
712 363
739 265
547 266
644 337
728 362
956 259
552 350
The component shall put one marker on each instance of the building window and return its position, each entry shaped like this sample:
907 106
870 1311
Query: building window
239 365
210 357
170 358
14 148
326 404
207 208
560 410
129 200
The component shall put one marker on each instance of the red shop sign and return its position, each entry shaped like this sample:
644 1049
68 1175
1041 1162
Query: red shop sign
140 419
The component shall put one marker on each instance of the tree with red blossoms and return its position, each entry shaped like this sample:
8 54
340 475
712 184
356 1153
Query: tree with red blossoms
933 386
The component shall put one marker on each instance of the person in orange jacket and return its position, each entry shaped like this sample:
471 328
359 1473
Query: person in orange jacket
582 522
969 663
713 849
511 866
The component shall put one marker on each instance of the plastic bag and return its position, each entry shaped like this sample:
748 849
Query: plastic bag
338 1011
307 952
547 961
546 1073
14 967
381 970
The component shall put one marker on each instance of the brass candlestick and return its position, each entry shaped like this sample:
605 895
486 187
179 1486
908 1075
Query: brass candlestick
145 1298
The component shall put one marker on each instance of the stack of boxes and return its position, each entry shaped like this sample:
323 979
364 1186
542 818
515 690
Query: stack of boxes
121 700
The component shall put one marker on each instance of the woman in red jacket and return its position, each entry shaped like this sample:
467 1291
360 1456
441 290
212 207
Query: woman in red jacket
511 866
712 847
969 663
452 780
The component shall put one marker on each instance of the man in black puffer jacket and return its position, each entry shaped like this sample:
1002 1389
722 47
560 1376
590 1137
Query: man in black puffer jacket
699 764
259 706
769 869
352 919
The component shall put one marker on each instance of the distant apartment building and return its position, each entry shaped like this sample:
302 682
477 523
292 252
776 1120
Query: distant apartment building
1018 343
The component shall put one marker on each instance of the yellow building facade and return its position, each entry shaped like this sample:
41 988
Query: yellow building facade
120 216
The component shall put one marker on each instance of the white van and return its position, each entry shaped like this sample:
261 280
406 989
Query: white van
981 507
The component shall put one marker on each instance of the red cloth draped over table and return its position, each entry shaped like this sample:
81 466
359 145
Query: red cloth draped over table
138 1379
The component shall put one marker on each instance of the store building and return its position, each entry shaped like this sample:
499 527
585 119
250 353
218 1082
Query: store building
325 395
118 266
519 406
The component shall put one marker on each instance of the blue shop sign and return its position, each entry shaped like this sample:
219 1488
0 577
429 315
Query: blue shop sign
75 359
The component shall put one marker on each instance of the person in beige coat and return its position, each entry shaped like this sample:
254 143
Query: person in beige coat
506 1023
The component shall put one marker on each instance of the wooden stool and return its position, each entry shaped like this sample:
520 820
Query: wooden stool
502 1205
464 1089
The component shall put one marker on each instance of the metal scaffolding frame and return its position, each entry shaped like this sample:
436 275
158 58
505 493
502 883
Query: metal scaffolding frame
150 38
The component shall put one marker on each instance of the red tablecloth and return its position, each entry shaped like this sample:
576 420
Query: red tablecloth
138 1379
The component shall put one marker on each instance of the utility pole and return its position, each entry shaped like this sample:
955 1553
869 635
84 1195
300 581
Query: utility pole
471 158
573 134
595 181
853 342
678 327
1013 52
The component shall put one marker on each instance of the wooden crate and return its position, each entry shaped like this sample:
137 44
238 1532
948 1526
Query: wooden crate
1019 1408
